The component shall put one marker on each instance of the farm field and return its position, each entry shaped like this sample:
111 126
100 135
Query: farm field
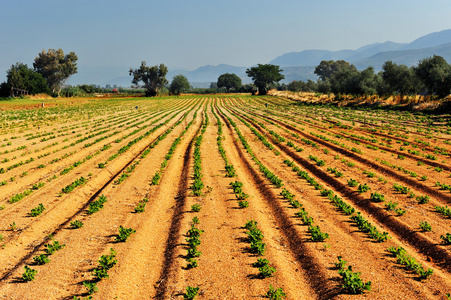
223 197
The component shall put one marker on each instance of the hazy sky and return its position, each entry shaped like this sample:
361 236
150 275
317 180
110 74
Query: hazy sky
112 34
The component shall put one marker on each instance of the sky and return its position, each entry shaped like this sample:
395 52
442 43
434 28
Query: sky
111 36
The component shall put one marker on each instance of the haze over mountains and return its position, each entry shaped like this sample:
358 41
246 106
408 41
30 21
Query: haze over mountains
300 65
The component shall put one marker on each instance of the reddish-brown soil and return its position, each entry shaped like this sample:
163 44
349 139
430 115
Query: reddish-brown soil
152 263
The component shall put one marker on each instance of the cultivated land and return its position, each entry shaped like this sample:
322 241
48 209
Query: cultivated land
170 184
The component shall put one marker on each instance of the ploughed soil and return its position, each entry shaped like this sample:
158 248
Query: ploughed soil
119 146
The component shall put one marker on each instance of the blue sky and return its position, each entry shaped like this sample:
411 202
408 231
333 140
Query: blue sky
115 35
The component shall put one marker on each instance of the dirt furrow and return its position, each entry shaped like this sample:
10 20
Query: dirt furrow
55 221
423 244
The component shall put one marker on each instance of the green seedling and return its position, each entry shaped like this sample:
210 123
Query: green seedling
29 274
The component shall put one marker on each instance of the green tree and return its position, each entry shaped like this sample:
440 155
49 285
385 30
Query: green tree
398 78
248 88
345 80
435 73
21 77
55 67
264 76
297 86
4 89
327 68
367 81
229 81
179 85
154 78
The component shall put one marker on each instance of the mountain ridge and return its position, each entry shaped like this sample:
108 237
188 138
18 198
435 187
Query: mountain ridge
301 65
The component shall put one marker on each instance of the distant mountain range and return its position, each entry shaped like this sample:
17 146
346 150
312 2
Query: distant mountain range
301 65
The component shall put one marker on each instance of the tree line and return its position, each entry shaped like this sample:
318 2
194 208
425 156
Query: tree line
50 71
154 80
52 68
432 76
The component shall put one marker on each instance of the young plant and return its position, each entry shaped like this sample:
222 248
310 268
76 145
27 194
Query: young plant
316 234
124 234
423 199
41 259
410 262
266 271
391 205
230 171
425 226
260 263
13 226
446 238
400 211
96 205
106 262
376 197
29 274
91 287
140 207
196 207
363 188
52 248
275 294
76 224
37 210
192 263
351 280
191 293
243 204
